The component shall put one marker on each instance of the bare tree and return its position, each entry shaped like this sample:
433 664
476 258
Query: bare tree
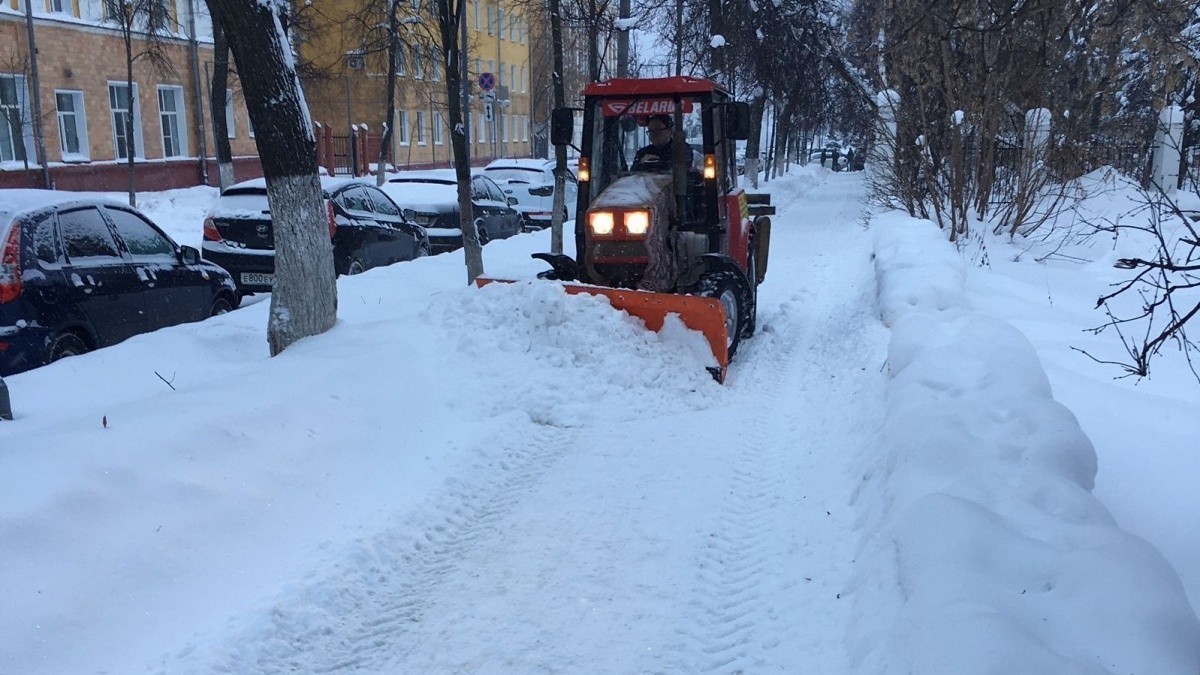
449 14
1165 286
218 98
143 25
304 296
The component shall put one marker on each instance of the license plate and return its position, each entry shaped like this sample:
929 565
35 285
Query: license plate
256 279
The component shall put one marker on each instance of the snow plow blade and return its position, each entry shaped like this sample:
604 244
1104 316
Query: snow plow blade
705 315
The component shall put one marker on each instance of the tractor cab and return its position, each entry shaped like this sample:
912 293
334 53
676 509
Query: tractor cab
657 171
660 218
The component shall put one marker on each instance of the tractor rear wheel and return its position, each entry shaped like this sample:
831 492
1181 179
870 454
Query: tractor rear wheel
730 289
751 322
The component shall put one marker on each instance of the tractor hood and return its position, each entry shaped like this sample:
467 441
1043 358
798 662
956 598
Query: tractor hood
639 190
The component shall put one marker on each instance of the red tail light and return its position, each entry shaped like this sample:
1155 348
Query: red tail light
211 233
10 265
332 219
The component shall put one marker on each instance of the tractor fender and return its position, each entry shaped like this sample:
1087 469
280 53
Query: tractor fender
713 262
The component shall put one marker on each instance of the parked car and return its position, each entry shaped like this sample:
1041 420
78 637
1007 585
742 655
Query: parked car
531 183
367 228
432 199
79 272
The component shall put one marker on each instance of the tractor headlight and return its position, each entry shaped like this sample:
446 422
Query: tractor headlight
601 222
637 222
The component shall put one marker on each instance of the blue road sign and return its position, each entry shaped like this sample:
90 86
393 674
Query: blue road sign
487 81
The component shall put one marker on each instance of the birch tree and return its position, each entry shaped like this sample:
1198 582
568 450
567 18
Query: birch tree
304 297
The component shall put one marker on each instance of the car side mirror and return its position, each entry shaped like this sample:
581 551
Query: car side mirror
562 126
737 121
512 201
189 255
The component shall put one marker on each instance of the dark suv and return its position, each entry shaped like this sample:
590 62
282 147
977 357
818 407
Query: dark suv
79 272
366 227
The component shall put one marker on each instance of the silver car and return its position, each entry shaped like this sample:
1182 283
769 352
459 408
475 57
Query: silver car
531 183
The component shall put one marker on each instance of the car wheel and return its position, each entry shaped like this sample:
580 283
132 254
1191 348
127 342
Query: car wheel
730 289
65 345
481 232
356 267
422 250
221 305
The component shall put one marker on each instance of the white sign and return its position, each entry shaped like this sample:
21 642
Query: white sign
487 111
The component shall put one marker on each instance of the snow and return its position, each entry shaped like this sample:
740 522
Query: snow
897 477
717 41
626 23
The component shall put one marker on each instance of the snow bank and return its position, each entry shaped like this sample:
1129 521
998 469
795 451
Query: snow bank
984 549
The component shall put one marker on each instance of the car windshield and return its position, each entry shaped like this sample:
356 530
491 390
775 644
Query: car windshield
514 174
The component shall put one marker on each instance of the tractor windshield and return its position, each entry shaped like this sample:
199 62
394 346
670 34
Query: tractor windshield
638 134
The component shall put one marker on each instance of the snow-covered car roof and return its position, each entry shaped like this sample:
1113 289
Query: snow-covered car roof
536 164
428 176
328 183
14 202
435 190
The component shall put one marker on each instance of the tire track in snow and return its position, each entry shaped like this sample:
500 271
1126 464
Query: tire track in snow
357 615
757 562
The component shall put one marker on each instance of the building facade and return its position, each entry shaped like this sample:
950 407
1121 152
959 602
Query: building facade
343 44
84 98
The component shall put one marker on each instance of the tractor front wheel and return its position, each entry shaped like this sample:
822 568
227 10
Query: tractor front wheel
730 289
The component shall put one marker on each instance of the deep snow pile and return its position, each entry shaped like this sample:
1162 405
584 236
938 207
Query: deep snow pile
988 551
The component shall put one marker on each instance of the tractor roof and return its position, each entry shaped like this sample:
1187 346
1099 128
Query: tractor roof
657 86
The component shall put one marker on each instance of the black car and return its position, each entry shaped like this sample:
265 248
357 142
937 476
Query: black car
366 227
80 272
432 199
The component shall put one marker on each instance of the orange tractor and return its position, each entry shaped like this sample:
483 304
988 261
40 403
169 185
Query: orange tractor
662 226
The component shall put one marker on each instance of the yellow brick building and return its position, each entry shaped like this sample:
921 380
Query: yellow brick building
344 47
83 97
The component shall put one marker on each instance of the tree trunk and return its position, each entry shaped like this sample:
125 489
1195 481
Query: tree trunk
560 151
757 107
131 142
218 100
385 141
449 13
304 298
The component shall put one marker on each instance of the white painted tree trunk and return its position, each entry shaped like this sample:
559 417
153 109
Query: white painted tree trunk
301 301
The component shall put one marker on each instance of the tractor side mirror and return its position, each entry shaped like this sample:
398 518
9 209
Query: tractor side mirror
628 123
737 121
562 126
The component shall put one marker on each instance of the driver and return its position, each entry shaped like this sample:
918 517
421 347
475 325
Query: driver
658 155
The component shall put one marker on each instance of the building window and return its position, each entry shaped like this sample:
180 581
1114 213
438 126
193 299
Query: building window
438 123
491 17
476 5
401 62
500 22
170 113
16 125
402 126
420 127
418 63
483 129
512 78
125 114
504 127
61 6
435 65
72 126
230 118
